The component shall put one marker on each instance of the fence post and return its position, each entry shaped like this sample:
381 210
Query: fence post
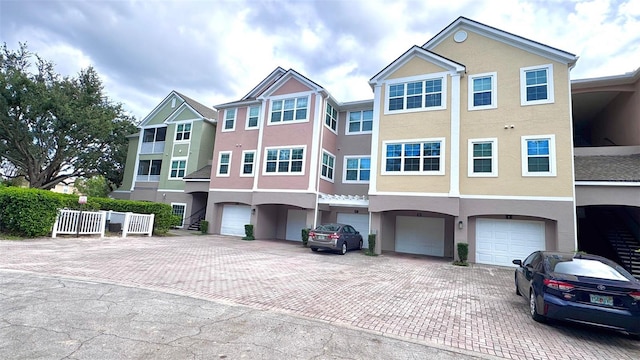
55 225
103 222
151 224
125 225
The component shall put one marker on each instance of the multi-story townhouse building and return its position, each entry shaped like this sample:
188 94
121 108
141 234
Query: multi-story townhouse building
606 114
473 143
176 139
287 156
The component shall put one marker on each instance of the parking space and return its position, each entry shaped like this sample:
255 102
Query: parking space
408 297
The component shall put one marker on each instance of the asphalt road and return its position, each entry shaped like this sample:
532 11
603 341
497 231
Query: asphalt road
48 317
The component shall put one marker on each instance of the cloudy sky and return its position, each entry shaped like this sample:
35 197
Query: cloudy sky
217 51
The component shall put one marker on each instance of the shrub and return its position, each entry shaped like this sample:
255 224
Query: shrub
463 254
305 236
204 226
28 212
371 250
248 232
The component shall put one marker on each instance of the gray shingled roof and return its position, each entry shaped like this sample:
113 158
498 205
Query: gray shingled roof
608 168
205 111
202 173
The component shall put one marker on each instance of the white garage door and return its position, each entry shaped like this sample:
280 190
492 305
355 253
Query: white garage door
234 218
498 242
296 221
420 235
360 222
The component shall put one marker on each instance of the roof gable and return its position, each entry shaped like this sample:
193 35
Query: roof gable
421 53
534 47
291 74
264 84
173 104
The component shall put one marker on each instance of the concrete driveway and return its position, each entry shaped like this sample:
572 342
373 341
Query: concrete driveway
420 299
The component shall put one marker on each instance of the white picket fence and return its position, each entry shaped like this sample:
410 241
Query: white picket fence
72 222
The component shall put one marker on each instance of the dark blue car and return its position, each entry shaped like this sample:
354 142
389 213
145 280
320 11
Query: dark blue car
581 288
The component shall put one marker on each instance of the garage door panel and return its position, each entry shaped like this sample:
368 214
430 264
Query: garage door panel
498 242
360 222
234 218
296 221
420 235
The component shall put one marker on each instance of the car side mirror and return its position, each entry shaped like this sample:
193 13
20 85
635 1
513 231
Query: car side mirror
517 262
357 232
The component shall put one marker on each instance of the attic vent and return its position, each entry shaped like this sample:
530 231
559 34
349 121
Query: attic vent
173 103
460 36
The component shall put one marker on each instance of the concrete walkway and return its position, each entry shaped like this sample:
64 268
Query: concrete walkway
423 300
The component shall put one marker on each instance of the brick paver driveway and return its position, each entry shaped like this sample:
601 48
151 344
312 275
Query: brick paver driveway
416 298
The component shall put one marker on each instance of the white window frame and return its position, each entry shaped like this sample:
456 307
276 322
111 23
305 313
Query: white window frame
347 126
183 132
412 79
233 111
253 164
523 85
155 146
288 173
328 117
247 126
177 177
494 158
494 91
184 214
383 165
220 154
344 169
283 98
323 166
552 156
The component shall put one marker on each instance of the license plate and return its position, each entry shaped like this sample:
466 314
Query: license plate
602 300
321 237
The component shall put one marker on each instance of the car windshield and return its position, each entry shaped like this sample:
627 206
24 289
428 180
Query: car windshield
588 268
328 227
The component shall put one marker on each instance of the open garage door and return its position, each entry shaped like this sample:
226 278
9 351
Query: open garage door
360 222
234 218
498 242
420 235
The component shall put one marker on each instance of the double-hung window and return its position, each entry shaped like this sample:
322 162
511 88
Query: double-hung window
357 169
248 161
178 169
483 91
284 161
360 122
416 95
183 132
536 85
224 163
252 117
229 120
285 110
328 166
331 117
414 157
538 155
483 158
149 170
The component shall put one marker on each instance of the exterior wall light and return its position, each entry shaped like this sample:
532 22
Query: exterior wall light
460 225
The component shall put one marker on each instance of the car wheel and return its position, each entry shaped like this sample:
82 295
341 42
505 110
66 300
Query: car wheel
314 249
533 307
343 248
517 290
360 246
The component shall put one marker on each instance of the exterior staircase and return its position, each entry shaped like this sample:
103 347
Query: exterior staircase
624 243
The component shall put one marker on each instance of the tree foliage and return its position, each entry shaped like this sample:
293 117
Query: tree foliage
95 186
54 127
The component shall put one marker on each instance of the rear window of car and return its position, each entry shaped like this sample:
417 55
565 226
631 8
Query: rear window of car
328 227
588 268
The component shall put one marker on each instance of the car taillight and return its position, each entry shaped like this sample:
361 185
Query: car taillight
558 285
334 236
312 234
635 295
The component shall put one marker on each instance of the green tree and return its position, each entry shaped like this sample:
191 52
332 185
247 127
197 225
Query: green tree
95 186
54 127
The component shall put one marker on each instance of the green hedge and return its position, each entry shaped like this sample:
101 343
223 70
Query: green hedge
32 212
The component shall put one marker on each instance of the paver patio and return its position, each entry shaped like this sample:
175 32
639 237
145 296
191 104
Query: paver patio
412 297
